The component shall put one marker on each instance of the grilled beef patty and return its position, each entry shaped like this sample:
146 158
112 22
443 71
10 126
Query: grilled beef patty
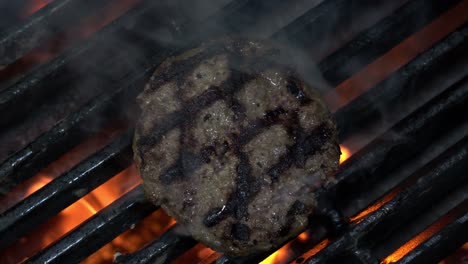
232 144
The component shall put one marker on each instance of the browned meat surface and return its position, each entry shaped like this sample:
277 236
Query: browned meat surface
232 144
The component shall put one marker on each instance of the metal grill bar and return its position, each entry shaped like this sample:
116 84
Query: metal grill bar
28 161
384 35
49 253
51 145
442 243
98 230
405 140
55 17
170 245
400 86
327 21
53 76
432 181
65 190
47 148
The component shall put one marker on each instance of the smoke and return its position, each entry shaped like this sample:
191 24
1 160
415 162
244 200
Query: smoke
143 37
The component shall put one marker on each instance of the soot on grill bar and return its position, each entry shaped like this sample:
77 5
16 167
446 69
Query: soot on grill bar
230 116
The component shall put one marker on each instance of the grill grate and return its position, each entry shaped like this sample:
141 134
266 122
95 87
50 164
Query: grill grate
119 76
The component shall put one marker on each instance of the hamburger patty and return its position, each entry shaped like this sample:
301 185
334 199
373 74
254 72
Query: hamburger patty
232 143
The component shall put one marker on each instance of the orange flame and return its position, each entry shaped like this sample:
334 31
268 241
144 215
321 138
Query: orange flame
280 256
304 236
283 255
75 214
345 153
71 216
316 249
133 239
374 207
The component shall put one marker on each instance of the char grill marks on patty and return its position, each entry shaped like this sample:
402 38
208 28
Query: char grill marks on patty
231 142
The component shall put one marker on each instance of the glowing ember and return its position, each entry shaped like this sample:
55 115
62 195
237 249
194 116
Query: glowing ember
61 165
421 237
357 218
397 57
303 236
285 254
316 249
280 256
198 254
345 153
33 6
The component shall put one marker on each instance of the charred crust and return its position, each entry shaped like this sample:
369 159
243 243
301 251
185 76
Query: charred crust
271 116
240 232
174 173
224 148
294 86
206 117
192 108
207 152
297 208
184 167
237 108
216 215
256 127
245 184
304 146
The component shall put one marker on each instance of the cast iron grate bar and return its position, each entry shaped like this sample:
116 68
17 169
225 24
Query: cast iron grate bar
381 37
442 243
98 230
54 18
100 56
327 21
65 190
41 82
429 183
26 162
29 160
405 140
47 79
401 85
164 249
